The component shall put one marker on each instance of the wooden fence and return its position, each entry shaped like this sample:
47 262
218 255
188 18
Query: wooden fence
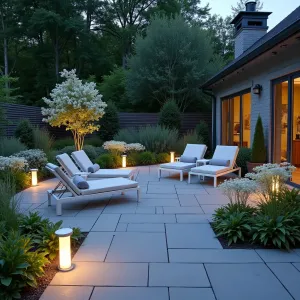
15 112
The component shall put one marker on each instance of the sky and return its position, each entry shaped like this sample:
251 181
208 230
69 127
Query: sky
279 8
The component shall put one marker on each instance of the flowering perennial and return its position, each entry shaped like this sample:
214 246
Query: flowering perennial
35 158
75 105
134 147
238 190
116 146
13 163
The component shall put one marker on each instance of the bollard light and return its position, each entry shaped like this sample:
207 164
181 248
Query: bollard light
275 184
34 179
65 261
124 160
172 156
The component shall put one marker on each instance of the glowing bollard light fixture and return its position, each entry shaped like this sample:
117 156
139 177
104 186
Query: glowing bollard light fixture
124 156
172 156
275 184
34 179
65 261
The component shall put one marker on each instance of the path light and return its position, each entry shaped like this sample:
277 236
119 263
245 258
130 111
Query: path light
275 184
65 261
172 156
124 156
34 179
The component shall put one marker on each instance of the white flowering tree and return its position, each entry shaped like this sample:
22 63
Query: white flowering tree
75 105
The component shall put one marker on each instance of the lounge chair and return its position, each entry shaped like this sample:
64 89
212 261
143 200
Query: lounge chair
71 169
83 161
222 162
191 154
96 188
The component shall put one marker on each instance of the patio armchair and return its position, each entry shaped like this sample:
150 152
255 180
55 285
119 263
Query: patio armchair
223 162
191 154
67 191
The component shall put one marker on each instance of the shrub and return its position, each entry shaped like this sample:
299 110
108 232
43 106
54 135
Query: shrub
9 202
35 158
281 231
162 158
109 161
62 143
147 158
24 132
10 146
202 130
19 265
43 140
133 159
31 224
169 116
128 135
91 151
93 141
243 157
259 151
109 124
190 137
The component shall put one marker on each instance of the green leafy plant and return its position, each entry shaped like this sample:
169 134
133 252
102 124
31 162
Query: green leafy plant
147 158
281 231
203 132
243 157
109 161
62 143
169 116
24 132
259 151
32 223
162 158
43 140
46 239
10 146
19 265
132 159
109 123
234 227
76 236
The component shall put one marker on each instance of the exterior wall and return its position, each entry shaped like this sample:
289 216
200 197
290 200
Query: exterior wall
262 72
245 39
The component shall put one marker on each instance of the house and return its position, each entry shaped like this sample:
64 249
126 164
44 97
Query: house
263 79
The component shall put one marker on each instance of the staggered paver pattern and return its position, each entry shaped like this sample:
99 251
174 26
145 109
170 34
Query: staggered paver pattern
161 248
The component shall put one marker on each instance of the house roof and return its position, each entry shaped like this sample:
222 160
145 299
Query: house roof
287 27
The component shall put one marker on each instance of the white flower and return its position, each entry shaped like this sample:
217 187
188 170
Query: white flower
238 190
13 163
115 146
35 158
134 147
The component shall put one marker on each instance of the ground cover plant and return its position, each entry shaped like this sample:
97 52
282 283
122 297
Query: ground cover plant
272 221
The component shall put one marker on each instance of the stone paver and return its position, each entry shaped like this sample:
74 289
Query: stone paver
191 236
137 293
289 277
179 275
146 227
273 255
214 256
94 247
104 274
106 222
138 247
67 293
162 247
191 294
245 281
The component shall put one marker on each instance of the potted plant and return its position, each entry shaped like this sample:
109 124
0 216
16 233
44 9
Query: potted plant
259 152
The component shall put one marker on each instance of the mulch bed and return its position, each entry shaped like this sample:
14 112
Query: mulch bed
30 293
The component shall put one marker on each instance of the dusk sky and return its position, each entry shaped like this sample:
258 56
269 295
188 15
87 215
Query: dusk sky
279 8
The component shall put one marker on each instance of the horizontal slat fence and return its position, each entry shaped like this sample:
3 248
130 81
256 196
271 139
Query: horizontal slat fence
15 112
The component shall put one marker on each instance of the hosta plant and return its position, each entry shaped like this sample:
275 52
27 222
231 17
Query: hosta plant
32 223
281 231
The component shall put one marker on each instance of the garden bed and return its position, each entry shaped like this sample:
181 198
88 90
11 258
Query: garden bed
30 293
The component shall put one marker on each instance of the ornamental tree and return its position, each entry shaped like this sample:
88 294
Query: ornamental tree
75 105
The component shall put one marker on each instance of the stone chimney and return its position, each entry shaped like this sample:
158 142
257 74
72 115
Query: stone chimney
250 26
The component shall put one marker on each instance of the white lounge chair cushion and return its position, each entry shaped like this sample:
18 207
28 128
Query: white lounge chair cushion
67 163
178 166
111 173
209 169
195 150
227 153
109 185
188 159
82 160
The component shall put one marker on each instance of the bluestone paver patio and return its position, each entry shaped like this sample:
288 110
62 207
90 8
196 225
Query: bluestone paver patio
161 248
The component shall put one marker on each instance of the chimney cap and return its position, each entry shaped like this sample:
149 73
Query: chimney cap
251 6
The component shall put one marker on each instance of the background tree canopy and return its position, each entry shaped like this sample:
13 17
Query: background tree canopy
39 38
